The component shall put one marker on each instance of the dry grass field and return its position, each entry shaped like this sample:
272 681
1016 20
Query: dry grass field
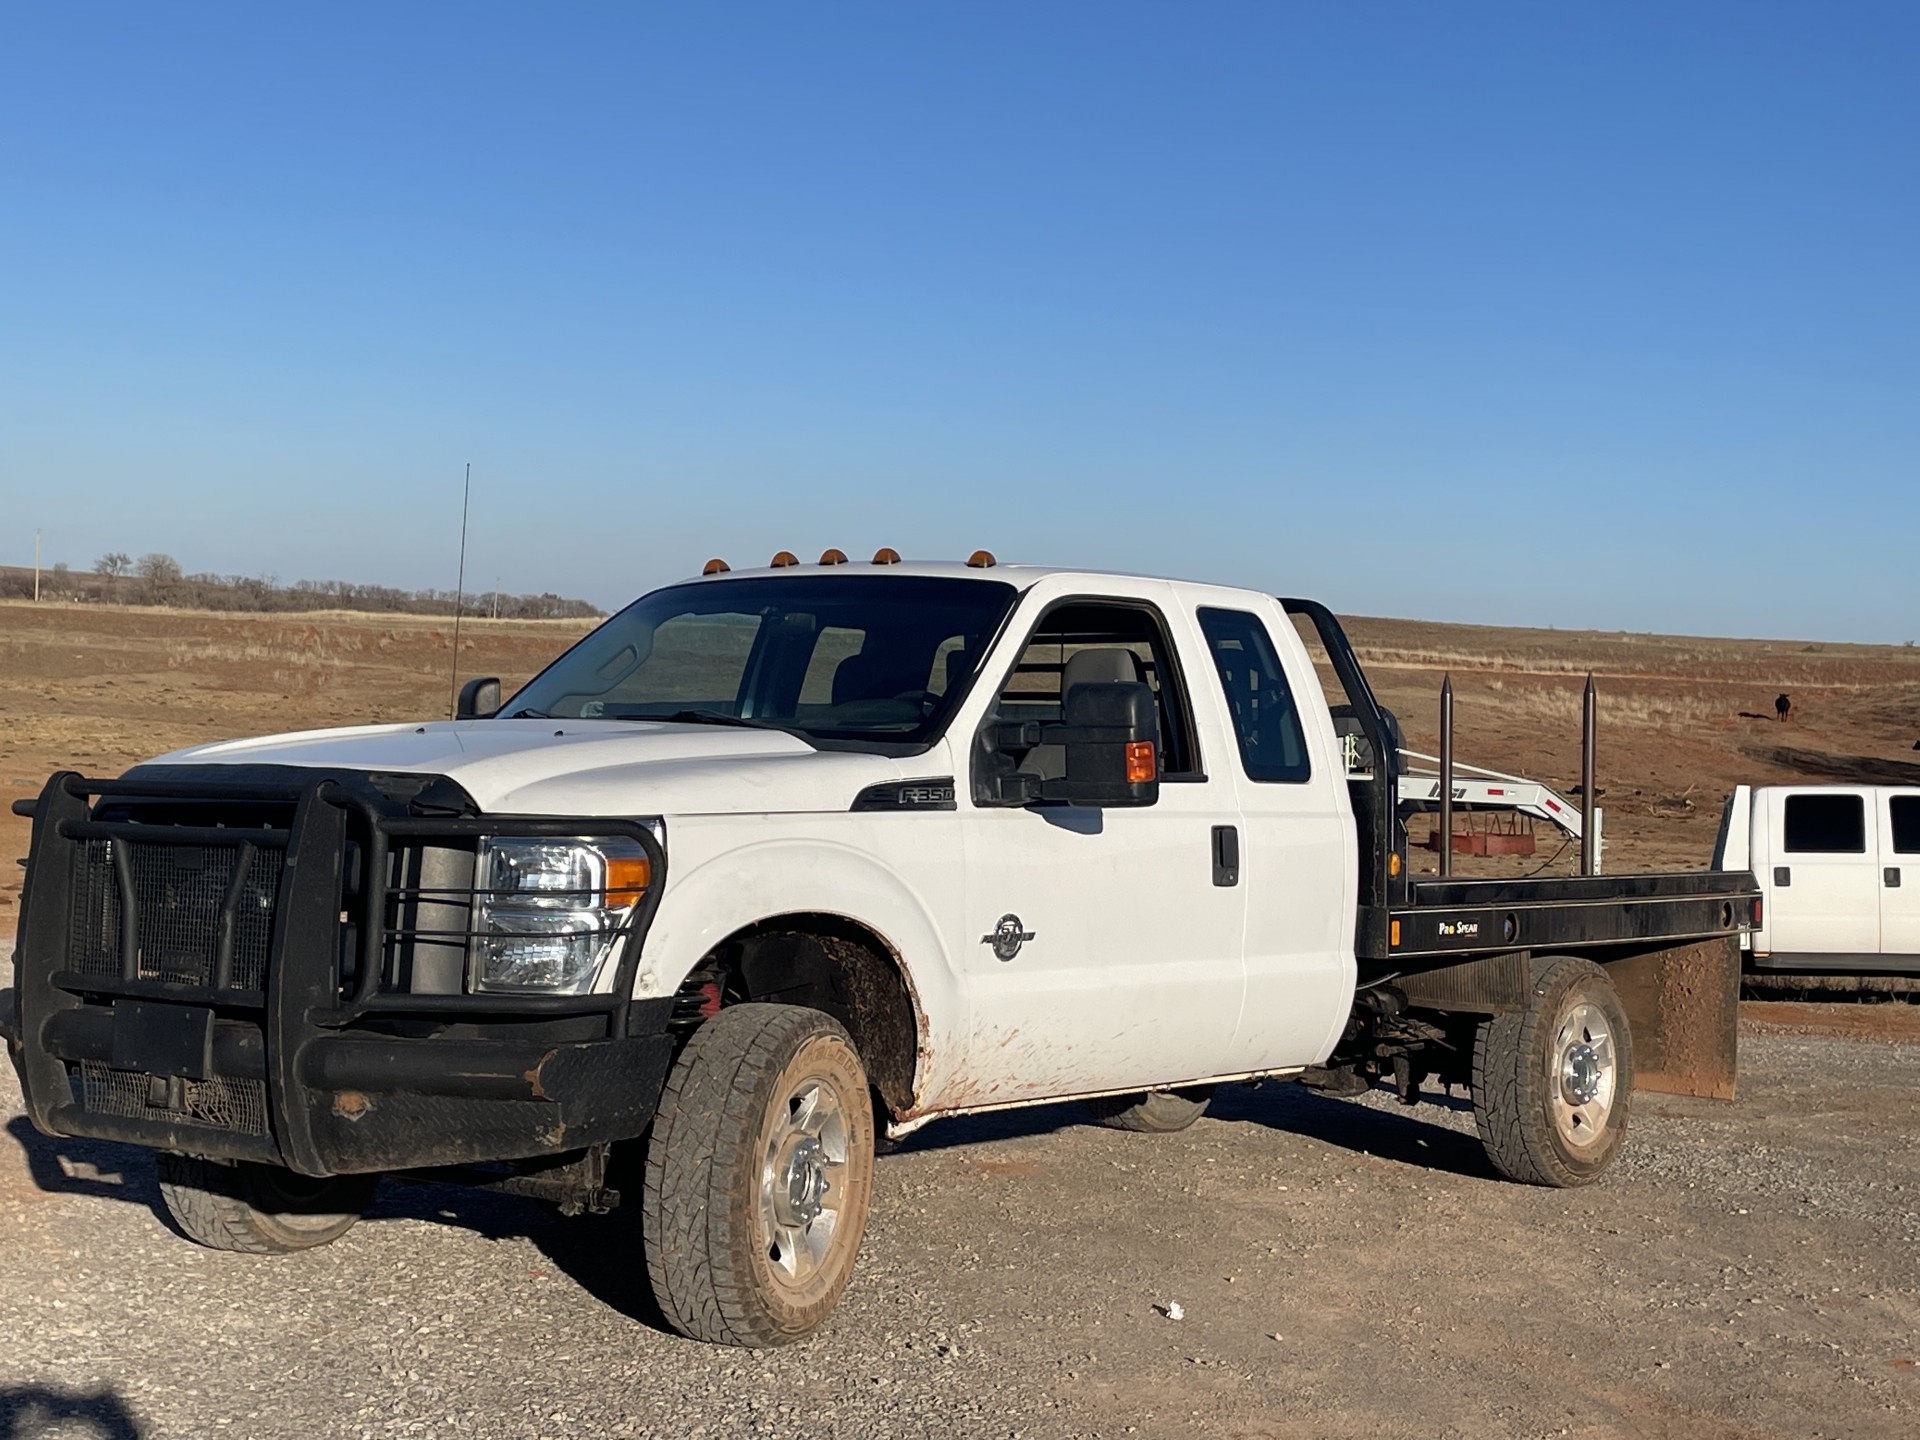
97 689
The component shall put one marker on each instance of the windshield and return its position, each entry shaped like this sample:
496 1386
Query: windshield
833 657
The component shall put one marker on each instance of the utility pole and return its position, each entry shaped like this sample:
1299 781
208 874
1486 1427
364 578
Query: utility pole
460 590
36 567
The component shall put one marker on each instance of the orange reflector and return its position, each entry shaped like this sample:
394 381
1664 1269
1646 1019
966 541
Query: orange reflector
1393 933
715 566
981 560
886 555
833 557
1142 764
1393 863
627 879
784 559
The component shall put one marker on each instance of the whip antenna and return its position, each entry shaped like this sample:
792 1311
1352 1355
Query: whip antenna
459 592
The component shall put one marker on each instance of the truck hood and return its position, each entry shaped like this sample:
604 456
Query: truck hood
585 767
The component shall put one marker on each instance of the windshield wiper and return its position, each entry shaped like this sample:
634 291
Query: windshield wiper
707 717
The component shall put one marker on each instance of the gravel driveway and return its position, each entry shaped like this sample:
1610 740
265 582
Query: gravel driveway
1345 1269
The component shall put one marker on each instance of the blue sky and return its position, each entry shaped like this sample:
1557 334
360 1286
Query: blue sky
1598 316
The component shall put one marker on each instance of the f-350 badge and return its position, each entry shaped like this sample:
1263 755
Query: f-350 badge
1007 937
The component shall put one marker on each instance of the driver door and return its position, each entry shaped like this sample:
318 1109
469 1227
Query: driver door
1099 952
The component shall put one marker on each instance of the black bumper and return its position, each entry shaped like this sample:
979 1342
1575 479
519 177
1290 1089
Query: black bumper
312 1049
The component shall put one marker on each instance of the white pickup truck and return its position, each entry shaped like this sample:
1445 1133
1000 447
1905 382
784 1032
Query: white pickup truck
1839 872
774 860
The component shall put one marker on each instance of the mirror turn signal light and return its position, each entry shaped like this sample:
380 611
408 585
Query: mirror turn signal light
1143 766
784 559
715 566
627 879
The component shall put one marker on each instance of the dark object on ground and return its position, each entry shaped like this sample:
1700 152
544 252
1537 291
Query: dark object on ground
1781 705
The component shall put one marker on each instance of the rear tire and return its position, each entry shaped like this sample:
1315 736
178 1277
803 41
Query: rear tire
1158 1112
759 1170
1553 1084
259 1209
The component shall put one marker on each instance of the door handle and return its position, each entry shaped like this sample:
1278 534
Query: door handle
1782 875
1226 855
1892 876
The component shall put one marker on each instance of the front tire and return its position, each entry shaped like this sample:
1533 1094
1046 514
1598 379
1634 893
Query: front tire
1552 1085
759 1170
259 1209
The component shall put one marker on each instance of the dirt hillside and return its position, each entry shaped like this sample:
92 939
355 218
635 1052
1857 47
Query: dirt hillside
97 689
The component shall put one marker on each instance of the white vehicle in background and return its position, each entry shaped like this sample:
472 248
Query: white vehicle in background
1839 870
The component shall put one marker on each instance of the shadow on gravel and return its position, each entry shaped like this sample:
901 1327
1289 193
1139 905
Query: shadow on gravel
1403 1135
603 1254
119 1172
28 1412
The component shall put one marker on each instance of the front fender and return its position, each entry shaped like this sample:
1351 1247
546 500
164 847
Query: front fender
709 899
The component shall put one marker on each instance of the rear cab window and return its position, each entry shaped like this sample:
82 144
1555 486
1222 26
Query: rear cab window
1904 812
1266 718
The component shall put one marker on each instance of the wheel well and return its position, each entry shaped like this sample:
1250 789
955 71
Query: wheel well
829 963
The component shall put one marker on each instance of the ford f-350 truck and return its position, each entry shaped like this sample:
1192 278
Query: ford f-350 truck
774 862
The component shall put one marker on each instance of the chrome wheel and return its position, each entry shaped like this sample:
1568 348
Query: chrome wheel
1583 1076
803 1179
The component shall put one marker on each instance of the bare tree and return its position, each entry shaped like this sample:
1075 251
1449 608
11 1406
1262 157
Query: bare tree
159 568
113 564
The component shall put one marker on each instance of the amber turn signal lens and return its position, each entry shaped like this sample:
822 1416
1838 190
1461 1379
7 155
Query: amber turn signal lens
1393 933
981 560
886 555
715 566
834 557
784 559
1143 765
627 879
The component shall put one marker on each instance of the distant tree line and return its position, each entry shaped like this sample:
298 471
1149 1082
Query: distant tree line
157 579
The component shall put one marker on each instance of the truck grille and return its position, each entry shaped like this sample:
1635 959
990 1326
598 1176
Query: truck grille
226 1104
181 898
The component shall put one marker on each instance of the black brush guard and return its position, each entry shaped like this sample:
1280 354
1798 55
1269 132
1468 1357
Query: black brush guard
240 990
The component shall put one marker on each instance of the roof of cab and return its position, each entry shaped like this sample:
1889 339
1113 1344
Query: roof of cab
1020 576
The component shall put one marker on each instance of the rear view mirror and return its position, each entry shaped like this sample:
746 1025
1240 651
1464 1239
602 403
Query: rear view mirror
479 699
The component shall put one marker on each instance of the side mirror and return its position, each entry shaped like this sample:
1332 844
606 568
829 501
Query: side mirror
1106 751
1112 740
479 699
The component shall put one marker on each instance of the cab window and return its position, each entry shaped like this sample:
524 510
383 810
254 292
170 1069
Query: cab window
1084 639
1826 825
1266 721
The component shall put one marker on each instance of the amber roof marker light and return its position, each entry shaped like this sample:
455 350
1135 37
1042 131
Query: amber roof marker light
981 560
715 566
833 557
886 555
784 559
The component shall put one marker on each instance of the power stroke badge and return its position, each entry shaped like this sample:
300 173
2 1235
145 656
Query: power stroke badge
1007 937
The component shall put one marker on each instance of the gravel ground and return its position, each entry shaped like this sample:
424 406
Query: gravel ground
1345 1269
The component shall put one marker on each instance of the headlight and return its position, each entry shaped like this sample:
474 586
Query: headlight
550 913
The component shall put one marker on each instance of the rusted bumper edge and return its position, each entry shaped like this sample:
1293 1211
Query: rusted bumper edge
358 1104
1683 1006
